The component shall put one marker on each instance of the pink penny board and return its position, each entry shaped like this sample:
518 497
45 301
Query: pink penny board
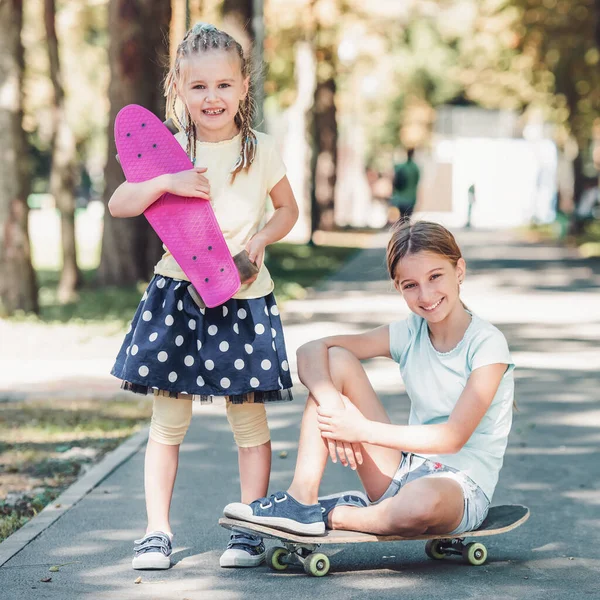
187 226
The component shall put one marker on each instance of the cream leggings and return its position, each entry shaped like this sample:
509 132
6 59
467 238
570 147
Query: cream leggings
171 418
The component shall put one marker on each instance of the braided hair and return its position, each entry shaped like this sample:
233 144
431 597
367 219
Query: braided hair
203 37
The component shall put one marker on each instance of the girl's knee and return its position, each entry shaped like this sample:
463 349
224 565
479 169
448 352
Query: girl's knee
171 419
249 424
341 363
413 518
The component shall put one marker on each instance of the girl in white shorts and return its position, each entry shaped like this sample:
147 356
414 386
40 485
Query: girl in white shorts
435 475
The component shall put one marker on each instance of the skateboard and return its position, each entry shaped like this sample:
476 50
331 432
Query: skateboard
301 550
187 226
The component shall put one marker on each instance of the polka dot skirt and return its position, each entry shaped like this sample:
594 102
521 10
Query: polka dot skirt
236 349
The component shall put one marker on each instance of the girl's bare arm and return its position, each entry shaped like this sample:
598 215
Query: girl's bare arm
132 199
350 425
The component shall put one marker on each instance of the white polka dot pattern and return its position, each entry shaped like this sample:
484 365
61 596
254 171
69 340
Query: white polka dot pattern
222 351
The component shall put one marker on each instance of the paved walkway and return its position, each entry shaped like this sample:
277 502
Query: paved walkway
547 303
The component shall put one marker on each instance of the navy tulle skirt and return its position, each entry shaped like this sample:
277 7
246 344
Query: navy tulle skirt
235 350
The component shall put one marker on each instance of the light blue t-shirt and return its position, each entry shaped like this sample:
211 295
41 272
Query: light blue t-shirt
435 380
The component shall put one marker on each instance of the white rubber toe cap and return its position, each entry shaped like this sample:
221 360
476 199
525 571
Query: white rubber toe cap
151 560
237 510
233 557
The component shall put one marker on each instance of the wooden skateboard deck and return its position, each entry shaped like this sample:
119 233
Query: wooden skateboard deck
187 226
299 549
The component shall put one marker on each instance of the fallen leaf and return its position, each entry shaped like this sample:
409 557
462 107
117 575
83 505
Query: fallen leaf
283 454
57 505
138 580
54 569
46 580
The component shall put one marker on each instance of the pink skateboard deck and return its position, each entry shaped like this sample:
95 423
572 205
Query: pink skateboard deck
187 226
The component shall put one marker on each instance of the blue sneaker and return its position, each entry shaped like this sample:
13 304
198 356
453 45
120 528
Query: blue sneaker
243 550
353 498
280 511
153 551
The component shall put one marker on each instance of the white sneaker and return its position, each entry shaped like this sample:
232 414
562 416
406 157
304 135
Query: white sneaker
243 550
153 551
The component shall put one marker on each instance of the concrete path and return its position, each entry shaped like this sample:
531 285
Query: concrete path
547 303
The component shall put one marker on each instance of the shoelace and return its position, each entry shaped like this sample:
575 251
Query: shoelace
151 543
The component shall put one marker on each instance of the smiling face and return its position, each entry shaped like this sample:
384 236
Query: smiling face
212 87
430 284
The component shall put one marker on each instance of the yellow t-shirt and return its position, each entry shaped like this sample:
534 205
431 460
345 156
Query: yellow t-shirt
239 206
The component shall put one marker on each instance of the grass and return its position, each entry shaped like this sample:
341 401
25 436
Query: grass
45 445
294 268
587 242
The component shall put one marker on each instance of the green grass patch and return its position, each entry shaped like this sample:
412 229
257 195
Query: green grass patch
105 304
295 268
45 444
589 240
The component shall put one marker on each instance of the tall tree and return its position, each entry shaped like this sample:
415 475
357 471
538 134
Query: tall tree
562 36
62 175
18 288
138 53
324 117
245 20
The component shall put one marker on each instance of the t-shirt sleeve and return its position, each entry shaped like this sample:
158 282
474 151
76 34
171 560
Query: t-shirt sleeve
490 348
275 168
399 338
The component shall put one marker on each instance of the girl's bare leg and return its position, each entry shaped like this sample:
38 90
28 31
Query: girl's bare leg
428 505
379 464
160 470
255 468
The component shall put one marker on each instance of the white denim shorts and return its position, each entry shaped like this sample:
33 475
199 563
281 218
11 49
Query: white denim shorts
412 467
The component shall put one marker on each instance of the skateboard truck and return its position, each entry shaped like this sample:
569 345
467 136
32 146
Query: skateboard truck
474 553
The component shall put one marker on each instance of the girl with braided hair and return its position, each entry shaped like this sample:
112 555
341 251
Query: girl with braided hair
179 351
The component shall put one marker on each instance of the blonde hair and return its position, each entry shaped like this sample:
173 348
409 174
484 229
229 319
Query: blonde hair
203 37
422 236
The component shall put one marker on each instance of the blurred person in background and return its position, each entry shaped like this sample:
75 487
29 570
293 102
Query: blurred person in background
404 187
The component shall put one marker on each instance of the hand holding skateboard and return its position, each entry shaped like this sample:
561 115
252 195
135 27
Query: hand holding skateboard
185 224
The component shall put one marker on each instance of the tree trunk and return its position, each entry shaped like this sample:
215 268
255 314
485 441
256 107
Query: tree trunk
238 13
62 174
138 53
325 137
244 19
18 287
